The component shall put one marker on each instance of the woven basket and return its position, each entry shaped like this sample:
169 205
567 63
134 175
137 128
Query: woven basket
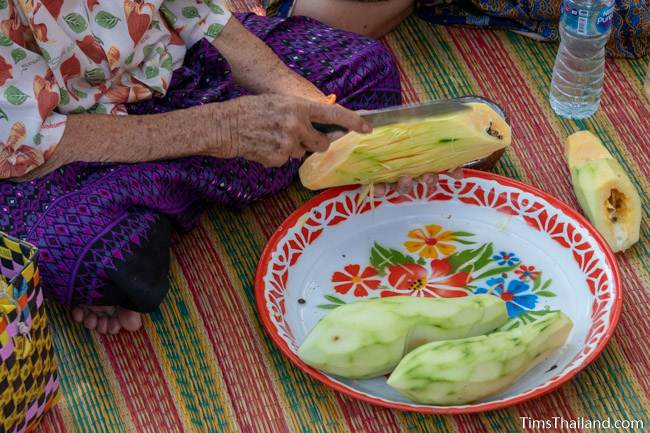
646 88
28 379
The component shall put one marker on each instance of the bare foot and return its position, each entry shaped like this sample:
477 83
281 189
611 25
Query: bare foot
107 320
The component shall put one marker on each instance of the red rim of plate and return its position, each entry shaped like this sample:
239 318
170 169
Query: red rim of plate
439 410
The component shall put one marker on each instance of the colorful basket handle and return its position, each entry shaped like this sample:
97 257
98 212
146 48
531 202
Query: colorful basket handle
23 341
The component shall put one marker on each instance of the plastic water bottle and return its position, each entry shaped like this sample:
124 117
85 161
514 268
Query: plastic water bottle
580 64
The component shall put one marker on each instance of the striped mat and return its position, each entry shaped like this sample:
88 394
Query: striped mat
203 362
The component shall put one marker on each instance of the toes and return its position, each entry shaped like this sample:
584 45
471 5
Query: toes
90 321
78 314
114 326
102 325
379 190
130 320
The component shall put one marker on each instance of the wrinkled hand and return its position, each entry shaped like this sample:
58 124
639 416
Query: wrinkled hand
271 129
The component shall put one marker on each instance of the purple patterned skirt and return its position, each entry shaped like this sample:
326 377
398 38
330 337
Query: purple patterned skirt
103 230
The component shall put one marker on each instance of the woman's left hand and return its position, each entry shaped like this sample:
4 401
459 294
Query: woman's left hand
406 183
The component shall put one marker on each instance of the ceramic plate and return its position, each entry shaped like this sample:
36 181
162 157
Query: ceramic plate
480 234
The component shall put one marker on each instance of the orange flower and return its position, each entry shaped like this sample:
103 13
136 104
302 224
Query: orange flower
139 93
353 277
46 98
118 94
5 71
428 242
113 56
17 159
91 4
39 30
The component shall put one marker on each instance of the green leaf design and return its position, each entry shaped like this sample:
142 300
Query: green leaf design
215 7
95 75
190 12
151 71
46 55
148 49
15 96
547 284
485 257
78 110
167 63
129 59
214 30
169 15
462 234
460 258
537 282
328 306
3 115
78 93
65 96
38 138
106 19
334 299
155 24
496 271
98 109
160 51
76 22
3 4
382 257
18 54
546 293
5 41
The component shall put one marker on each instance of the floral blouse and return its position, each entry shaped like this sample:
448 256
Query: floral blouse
59 57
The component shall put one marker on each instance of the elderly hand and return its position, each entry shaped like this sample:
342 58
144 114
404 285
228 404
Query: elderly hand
271 129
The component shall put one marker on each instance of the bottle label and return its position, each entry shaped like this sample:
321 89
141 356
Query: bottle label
587 22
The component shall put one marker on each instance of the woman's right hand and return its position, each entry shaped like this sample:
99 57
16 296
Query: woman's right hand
271 129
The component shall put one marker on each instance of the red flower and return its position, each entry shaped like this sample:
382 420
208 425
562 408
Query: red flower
527 272
352 277
54 7
137 19
47 98
92 49
416 280
5 71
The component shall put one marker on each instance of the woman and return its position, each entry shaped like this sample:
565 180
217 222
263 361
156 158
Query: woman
538 19
218 112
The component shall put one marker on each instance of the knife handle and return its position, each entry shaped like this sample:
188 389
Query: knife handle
326 128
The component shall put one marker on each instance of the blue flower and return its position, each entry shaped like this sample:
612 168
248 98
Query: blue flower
517 300
504 258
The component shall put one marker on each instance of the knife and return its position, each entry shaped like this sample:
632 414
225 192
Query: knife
400 114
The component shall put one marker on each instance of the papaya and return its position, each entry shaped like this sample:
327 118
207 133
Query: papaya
368 338
465 370
604 191
430 145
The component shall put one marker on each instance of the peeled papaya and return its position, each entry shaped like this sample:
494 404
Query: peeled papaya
368 338
604 191
429 145
465 370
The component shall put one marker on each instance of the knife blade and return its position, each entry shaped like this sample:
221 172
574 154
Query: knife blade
399 114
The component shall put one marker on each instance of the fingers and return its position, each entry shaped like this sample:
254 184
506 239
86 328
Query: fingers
337 115
430 179
404 184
